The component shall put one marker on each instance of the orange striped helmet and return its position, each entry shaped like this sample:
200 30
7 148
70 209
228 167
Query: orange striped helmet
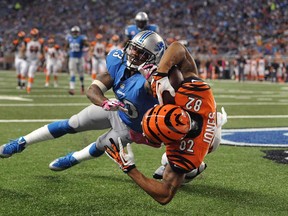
99 36
51 41
115 37
165 123
34 32
21 34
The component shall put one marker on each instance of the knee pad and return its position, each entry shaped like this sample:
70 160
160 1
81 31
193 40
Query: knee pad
72 79
74 122
60 128
93 151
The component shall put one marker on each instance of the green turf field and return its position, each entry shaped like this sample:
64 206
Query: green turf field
238 180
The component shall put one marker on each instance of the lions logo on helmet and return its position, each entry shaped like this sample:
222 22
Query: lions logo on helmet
146 47
165 124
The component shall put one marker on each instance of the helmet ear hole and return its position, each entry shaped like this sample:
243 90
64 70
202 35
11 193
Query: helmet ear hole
165 124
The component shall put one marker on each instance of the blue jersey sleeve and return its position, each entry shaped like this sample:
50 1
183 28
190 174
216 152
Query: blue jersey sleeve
114 61
131 31
153 27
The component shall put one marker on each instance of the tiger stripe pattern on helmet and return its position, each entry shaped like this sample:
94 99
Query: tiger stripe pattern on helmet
165 124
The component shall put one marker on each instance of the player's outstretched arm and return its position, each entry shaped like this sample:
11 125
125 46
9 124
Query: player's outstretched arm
163 191
96 90
177 54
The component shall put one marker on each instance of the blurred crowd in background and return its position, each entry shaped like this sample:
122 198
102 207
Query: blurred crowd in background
220 34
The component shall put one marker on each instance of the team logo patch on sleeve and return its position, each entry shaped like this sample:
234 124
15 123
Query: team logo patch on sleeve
262 137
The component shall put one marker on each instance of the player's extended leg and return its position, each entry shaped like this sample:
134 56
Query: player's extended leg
31 74
96 149
18 72
81 74
48 73
90 118
23 71
72 65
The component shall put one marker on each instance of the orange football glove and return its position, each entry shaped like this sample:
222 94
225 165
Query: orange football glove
124 160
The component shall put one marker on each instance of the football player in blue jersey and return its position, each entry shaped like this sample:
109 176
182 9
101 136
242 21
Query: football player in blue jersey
122 116
75 43
141 24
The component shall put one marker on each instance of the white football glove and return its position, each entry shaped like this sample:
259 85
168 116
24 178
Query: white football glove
162 85
124 160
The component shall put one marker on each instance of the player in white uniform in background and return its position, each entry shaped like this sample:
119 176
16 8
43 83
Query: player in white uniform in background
253 68
247 67
52 65
61 58
76 43
98 53
34 53
20 62
261 68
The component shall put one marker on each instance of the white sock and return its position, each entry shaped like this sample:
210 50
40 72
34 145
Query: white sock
83 154
72 85
38 135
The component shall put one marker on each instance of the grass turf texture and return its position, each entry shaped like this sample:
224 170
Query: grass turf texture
238 180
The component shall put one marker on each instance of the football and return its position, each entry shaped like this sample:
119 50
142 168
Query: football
175 78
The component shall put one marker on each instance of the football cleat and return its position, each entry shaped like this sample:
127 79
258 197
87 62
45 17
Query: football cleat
63 163
222 117
14 146
158 174
71 92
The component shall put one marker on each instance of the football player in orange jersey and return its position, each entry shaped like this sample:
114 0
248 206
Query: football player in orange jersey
20 62
183 158
34 53
52 64
98 54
